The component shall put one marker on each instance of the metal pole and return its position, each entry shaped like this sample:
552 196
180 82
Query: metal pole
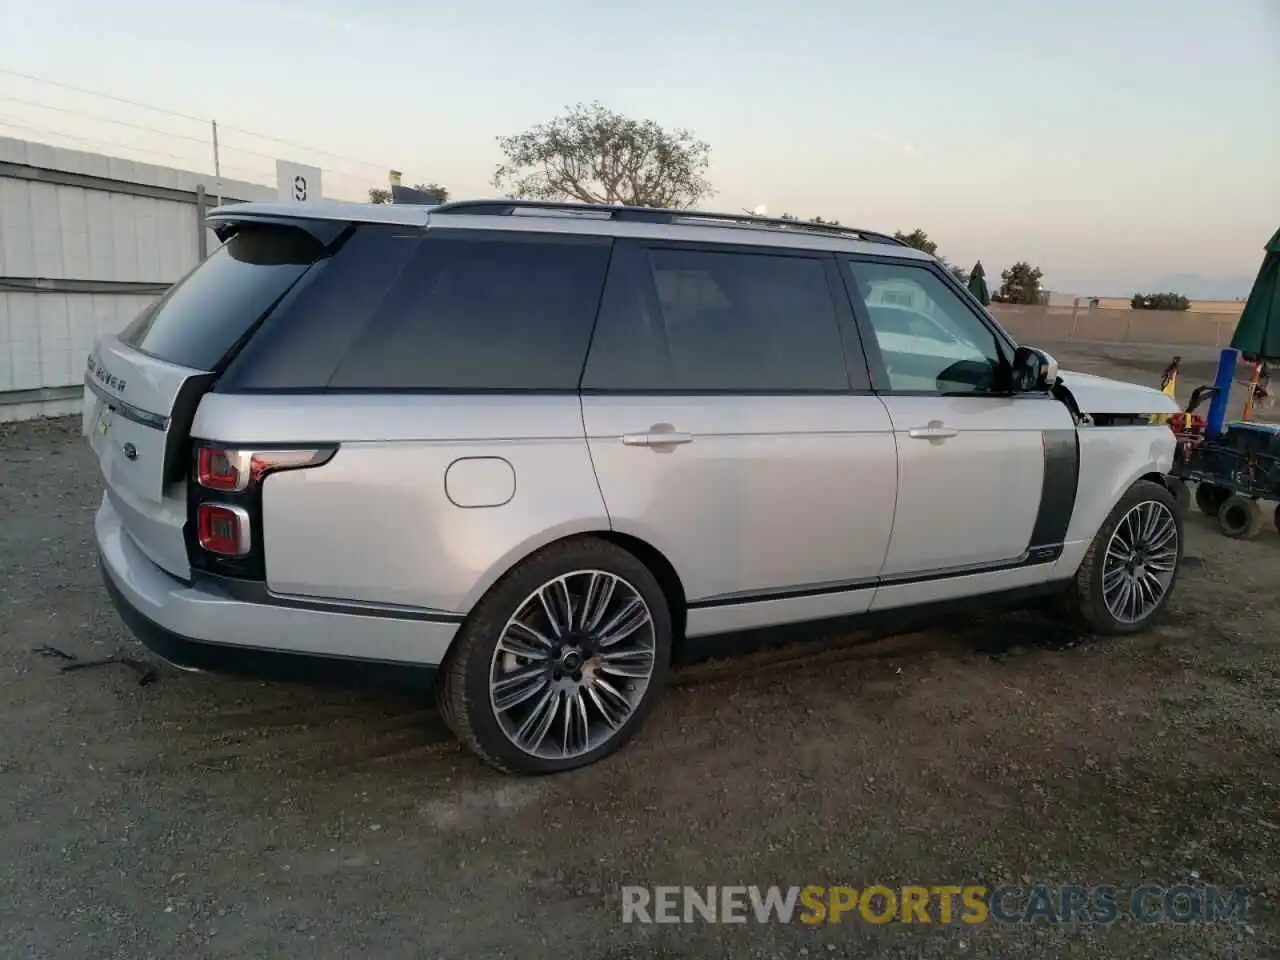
217 162
1247 415
202 231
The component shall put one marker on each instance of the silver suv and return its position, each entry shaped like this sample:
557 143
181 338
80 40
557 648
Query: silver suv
527 453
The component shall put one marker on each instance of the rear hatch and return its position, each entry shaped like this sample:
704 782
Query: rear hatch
144 384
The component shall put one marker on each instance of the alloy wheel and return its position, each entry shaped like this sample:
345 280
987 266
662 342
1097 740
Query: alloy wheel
1140 561
572 664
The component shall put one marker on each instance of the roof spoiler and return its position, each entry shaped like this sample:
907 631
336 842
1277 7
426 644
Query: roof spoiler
401 194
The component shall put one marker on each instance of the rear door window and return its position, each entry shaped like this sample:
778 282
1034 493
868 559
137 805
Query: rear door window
301 343
204 316
471 312
683 320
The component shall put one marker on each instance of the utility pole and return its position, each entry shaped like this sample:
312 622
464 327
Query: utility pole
217 163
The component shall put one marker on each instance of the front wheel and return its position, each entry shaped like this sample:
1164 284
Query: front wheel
560 661
1132 564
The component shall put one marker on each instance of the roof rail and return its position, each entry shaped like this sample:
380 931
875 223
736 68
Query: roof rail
618 212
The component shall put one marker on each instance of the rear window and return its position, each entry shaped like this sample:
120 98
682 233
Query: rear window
198 322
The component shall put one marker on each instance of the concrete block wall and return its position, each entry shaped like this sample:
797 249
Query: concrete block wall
86 242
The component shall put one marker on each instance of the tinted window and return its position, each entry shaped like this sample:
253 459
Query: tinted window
929 340
202 317
501 313
689 320
300 344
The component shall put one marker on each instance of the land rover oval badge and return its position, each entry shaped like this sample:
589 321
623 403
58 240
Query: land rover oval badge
130 452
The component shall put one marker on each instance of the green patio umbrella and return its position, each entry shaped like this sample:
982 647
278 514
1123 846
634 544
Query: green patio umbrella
1257 334
978 284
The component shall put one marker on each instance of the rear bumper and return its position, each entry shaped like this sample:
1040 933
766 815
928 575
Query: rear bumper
199 626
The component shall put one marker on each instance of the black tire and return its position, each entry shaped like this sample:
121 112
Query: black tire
464 688
1085 600
1210 497
1277 517
1240 518
1181 491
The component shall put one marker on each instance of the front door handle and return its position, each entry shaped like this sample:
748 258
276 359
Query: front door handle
659 435
936 430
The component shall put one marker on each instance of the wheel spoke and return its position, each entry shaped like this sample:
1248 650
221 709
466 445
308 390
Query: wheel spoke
635 663
511 645
534 729
544 708
577 731
565 600
612 704
528 634
599 596
518 687
624 623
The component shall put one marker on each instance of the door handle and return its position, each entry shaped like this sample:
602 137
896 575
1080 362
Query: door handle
936 430
658 435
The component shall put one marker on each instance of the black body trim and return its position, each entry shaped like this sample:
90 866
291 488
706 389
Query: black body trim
1058 489
265 663
874 623
1039 555
256 591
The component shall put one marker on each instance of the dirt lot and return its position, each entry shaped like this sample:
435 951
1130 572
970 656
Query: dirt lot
200 817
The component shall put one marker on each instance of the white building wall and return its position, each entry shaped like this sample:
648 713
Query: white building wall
120 231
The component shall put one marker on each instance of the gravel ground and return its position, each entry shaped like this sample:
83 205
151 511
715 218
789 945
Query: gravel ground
198 816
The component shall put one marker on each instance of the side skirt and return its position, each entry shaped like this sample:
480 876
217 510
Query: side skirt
872 625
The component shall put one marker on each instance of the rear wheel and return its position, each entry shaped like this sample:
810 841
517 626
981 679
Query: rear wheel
1240 518
1132 564
1210 497
560 661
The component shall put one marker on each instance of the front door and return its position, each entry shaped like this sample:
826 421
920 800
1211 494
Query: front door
986 482
724 431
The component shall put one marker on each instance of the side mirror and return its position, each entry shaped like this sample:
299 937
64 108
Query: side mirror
1034 371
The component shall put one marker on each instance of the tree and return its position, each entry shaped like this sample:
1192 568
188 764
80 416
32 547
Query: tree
593 155
829 223
1159 301
1020 284
437 191
919 240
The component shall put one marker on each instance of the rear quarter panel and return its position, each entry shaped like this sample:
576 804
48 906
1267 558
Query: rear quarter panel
387 521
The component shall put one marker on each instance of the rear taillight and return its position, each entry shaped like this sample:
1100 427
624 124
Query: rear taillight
221 469
230 471
223 529
225 524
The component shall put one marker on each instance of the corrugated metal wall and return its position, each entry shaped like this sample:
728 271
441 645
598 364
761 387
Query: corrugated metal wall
86 241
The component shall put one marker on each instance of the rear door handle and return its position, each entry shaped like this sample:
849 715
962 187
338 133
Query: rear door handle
658 435
936 430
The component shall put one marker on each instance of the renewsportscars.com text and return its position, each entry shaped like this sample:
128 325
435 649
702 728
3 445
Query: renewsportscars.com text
937 904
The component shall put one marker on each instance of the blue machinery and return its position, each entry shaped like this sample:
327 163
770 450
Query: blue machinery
1216 421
